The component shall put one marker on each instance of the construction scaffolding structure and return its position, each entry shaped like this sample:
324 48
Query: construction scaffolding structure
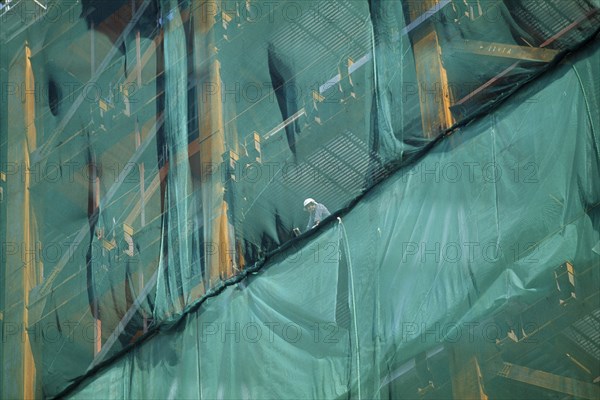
155 156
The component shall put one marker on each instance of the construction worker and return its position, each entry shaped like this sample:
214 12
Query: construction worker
317 211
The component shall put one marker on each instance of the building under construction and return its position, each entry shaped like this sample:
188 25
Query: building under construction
156 158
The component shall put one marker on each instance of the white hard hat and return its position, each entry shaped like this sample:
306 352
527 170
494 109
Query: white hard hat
308 201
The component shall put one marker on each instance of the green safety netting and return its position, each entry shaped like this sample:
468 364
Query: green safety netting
165 149
434 254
